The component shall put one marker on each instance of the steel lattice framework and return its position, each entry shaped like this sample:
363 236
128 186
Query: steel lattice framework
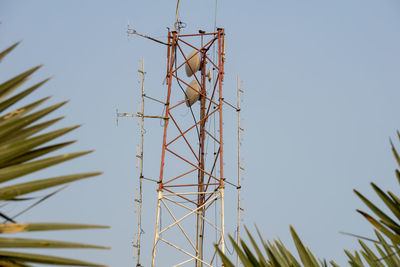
191 182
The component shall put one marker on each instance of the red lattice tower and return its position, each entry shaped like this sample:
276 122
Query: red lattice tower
190 204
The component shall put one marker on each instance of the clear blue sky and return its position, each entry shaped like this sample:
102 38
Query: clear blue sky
321 82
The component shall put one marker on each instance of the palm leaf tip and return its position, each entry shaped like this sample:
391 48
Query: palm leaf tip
395 153
369 218
224 258
13 84
303 251
12 100
8 50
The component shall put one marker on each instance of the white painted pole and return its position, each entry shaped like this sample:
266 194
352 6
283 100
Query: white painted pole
239 172
141 172
156 233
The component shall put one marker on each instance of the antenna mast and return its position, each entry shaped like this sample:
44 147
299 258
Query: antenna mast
139 233
240 168
139 156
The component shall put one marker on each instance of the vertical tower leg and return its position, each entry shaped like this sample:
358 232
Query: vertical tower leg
156 229
170 62
221 192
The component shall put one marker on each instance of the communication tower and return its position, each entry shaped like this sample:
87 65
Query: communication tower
190 211
191 180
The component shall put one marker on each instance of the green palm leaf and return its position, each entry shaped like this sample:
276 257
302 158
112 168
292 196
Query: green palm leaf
36 258
36 153
7 228
6 242
15 171
16 149
12 191
11 85
26 132
21 152
7 50
277 254
13 264
17 122
303 252
12 100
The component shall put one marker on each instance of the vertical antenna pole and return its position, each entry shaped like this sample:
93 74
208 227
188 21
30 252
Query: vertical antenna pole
221 55
239 171
141 171
176 15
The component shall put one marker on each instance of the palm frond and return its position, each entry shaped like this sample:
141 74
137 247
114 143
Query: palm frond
24 150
